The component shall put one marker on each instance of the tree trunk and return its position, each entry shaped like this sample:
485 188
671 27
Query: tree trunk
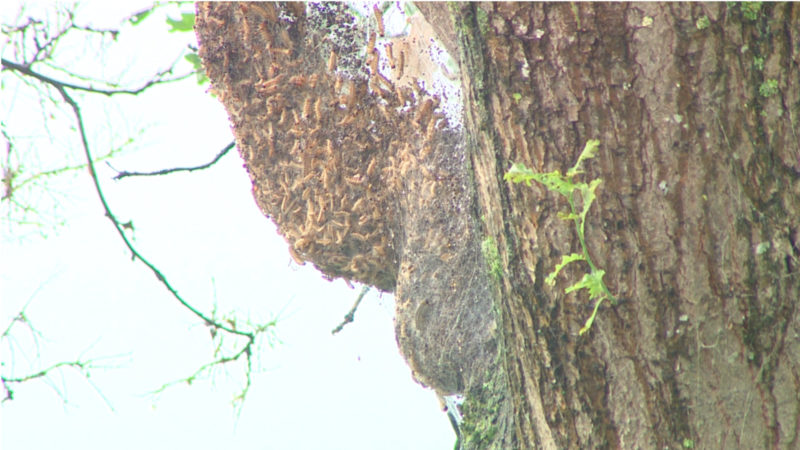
695 223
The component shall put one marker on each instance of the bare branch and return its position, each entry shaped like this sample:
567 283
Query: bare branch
223 360
247 349
41 44
223 152
156 79
81 365
117 225
350 316
206 367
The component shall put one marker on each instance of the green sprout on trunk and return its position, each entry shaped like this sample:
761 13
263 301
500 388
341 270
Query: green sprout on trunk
566 186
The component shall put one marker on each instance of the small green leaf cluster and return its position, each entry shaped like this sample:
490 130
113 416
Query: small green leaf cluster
758 62
186 24
199 70
750 10
565 185
492 257
702 23
768 88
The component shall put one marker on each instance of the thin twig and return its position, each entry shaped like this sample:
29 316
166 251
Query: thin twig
25 70
251 336
223 152
350 316
10 65
218 362
118 226
82 365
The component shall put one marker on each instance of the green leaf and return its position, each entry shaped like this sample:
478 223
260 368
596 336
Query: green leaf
588 195
519 173
593 282
565 259
590 320
195 61
137 18
554 181
186 23
567 216
589 151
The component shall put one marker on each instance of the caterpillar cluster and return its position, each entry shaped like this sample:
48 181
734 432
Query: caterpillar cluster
315 138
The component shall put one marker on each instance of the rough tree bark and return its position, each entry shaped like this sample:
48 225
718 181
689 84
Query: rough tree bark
696 223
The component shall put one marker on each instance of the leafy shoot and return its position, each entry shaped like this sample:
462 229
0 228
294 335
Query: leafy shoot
568 187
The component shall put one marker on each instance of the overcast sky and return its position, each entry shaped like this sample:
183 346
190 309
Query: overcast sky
204 231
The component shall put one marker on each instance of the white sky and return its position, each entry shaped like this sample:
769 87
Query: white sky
205 232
